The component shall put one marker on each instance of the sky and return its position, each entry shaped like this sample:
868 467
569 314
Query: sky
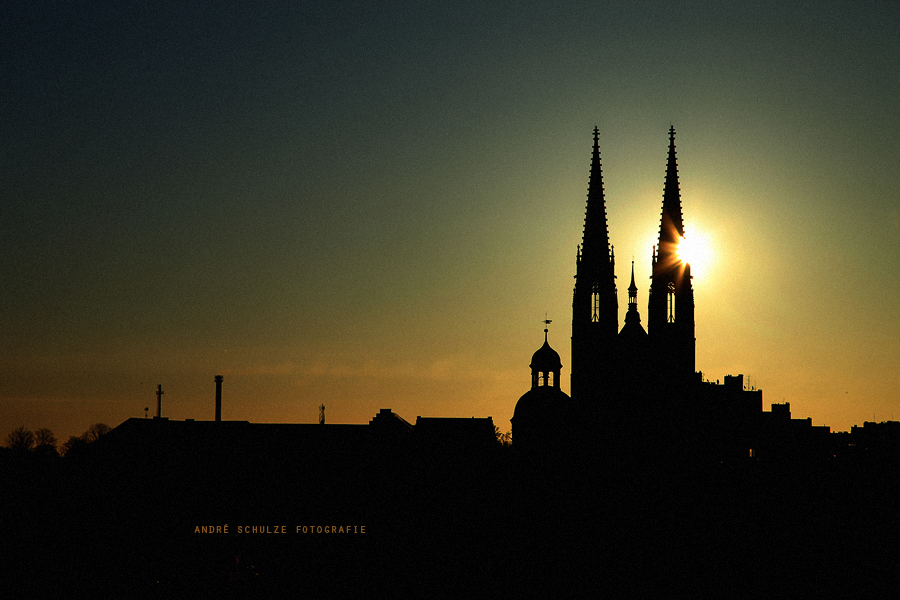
374 205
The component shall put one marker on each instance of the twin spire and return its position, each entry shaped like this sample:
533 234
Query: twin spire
595 248
597 341
596 257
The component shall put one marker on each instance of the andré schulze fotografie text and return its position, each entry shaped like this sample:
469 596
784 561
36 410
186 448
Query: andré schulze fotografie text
330 529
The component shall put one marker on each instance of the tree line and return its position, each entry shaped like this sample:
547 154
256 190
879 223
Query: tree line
42 441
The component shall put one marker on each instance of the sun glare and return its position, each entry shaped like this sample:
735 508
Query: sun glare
695 248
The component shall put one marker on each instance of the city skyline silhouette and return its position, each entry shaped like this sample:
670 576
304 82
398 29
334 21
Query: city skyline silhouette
376 207
603 306
335 238
323 242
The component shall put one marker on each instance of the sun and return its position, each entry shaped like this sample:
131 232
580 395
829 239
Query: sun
696 249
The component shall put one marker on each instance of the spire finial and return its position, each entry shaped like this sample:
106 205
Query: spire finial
546 323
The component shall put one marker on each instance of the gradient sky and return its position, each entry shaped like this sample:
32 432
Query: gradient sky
373 205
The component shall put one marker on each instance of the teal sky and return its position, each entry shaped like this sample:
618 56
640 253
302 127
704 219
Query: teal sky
374 205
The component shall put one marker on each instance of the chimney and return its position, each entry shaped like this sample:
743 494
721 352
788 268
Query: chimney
218 398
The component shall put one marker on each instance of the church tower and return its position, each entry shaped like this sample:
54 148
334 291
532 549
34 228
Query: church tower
595 311
670 317
543 418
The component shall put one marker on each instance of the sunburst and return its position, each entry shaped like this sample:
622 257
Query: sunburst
696 249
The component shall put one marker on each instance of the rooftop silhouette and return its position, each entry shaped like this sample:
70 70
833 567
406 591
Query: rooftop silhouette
647 480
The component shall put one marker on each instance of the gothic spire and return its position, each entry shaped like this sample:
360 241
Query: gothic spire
595 309
595 243
671 226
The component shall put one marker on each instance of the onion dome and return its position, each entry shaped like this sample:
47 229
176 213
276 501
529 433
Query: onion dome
546 359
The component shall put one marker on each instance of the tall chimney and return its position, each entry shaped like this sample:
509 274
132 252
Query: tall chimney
218 398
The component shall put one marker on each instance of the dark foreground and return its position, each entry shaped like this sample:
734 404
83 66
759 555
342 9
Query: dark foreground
487 523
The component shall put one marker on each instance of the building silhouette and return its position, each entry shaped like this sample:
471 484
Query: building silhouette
543 413
635 392
647 481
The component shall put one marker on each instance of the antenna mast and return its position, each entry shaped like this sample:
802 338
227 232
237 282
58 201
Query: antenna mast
159 394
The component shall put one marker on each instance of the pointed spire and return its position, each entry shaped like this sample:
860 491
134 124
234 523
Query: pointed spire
670 309
632 317
595 310
671 222
595 248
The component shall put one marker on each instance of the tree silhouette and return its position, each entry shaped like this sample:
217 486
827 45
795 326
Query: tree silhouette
95 432
73 446
76 444
44 437
505 439
20 438
45 442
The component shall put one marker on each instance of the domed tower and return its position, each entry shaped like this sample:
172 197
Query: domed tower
542 412
545 366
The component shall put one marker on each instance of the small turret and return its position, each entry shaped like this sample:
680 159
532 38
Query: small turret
633 327
543 412
545 366
632 316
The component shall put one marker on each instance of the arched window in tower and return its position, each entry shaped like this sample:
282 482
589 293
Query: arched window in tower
595 302
671 287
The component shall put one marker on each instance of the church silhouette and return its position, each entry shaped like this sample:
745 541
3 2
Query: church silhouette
635 392
648 481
